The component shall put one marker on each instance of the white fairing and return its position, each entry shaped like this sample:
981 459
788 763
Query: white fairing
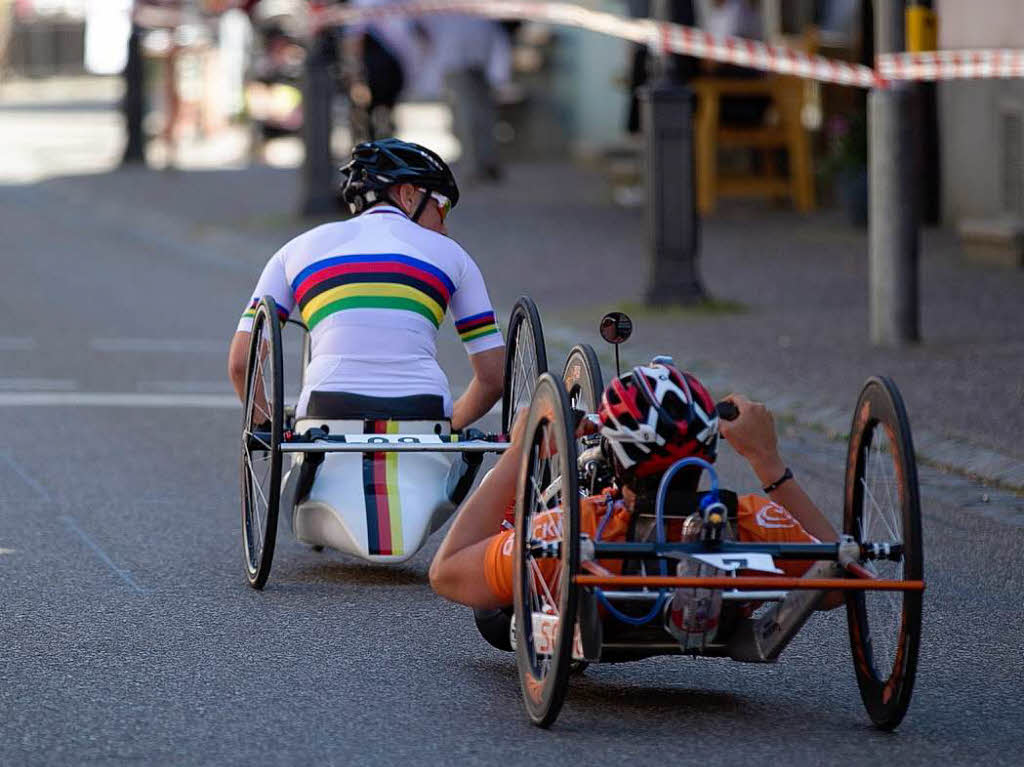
381 506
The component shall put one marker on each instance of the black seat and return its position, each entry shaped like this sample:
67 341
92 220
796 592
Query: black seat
343 405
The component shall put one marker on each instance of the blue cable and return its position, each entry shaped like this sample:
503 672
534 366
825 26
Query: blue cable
659 533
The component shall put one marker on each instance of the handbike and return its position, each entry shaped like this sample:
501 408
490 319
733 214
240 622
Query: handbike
571 605
367 476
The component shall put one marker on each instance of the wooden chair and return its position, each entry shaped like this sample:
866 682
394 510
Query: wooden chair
786 94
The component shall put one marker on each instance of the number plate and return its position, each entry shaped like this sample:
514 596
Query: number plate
760 562
393 439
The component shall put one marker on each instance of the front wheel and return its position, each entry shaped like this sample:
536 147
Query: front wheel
547 553
882 505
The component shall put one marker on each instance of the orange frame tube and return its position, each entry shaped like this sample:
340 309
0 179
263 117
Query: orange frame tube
749 582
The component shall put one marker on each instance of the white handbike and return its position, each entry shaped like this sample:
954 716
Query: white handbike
367 476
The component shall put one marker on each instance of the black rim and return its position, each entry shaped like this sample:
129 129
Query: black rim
882 505
525 359
261 447
543 586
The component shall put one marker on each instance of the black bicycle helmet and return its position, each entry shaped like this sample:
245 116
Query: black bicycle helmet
377 165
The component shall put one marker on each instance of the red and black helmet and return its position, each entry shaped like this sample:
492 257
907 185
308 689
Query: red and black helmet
654 415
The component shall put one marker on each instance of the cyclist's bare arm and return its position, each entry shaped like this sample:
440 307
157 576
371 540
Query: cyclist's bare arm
483 391
457 572
238 355
753 436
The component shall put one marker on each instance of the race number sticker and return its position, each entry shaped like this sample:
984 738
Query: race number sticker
761 562
545 631
393 439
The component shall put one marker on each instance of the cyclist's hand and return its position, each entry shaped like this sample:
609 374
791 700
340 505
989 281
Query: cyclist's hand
752 433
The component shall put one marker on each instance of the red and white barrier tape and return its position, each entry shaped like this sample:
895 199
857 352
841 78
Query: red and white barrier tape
688 41
952 65
670 38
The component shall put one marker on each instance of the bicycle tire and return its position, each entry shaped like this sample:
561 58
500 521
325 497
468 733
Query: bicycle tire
526 359
259 536
544 676
880 436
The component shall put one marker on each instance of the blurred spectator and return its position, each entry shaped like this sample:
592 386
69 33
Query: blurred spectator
680 68
379 58
474 57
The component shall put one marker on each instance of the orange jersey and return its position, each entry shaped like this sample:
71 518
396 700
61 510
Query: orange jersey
759 520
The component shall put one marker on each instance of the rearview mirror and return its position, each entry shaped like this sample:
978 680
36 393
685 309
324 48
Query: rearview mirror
616 327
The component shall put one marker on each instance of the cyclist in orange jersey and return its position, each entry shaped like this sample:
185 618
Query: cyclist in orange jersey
649 418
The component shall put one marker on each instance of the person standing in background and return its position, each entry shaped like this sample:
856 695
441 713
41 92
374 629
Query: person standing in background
380 60
473 56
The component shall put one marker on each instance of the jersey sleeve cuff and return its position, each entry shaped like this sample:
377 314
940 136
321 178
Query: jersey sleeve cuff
483 343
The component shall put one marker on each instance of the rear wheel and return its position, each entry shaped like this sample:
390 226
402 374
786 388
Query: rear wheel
547 513
525 360
262 427
882 505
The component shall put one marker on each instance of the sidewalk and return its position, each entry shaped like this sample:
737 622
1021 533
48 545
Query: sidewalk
789 327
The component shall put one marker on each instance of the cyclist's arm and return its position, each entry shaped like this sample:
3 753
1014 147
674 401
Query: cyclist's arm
457 572
478 330
273 282
483 391
753 436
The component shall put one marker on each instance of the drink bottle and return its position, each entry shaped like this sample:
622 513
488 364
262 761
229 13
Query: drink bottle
691 616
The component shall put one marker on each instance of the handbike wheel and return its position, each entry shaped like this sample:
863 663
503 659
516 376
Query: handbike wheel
262 427
525 359
582 378
547 512
882 505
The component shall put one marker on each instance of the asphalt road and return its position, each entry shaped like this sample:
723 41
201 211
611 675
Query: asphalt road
128 633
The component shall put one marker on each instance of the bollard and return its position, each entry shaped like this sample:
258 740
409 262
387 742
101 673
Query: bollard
672 222
317 165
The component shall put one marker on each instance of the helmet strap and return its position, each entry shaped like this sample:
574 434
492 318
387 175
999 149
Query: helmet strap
419 208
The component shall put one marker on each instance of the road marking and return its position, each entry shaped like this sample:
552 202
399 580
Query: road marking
119 399
123 574
160 345
7 551
37 384
186 387
16 344
25 476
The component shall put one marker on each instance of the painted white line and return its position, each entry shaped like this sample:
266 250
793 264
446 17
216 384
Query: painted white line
122 574
7 551
160 345
186 387
119 399
37 384
25 476
16 344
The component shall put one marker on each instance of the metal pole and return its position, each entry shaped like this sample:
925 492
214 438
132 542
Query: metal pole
922 35
893 221
317 167
133 103
673 225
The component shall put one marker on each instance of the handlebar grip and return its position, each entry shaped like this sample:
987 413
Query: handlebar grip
727 411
